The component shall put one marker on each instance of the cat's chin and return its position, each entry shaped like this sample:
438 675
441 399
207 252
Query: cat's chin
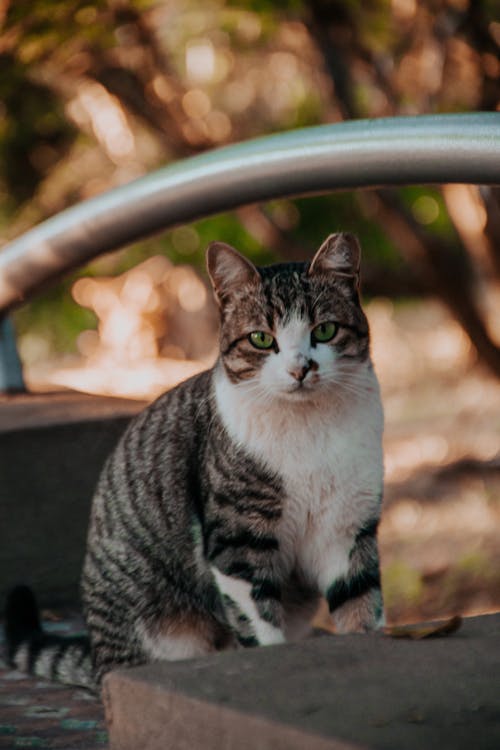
299 393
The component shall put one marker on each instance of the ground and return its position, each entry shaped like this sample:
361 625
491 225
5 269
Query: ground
40 714
439 537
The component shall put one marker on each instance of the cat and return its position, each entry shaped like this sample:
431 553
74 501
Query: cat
238 499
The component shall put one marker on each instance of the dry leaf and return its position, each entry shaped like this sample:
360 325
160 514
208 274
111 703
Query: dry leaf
424 630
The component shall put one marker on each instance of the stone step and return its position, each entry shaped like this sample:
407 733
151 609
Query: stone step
327 693
52 448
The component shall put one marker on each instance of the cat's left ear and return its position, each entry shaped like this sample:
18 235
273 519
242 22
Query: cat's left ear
228 270
339 254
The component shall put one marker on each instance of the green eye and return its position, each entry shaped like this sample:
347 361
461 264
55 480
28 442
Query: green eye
324 332
261 340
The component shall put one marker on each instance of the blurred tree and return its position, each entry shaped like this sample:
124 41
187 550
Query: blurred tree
97 92
35 132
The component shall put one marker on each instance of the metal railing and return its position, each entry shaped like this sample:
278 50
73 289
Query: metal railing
11 373
358 154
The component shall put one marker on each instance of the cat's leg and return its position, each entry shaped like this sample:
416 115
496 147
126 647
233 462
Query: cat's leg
243 563
183 635
354 596
243 553
253 608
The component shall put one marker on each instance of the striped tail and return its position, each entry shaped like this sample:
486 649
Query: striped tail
30 649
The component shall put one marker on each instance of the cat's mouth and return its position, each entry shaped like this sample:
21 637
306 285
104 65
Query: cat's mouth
307 385
300 389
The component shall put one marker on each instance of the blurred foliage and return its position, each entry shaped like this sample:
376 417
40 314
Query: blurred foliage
402 586
95 93
33 140
463 586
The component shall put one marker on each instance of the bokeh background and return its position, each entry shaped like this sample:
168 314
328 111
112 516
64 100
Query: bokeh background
95 94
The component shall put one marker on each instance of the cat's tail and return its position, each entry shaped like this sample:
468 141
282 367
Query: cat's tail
30 649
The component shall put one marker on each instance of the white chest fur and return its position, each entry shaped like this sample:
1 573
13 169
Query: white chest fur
328 455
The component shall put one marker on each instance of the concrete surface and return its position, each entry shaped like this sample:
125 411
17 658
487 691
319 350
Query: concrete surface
52 448
326 693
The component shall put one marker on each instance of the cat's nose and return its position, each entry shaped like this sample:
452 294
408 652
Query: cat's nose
299 371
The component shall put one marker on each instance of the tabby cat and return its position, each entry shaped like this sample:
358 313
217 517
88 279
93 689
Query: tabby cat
243 495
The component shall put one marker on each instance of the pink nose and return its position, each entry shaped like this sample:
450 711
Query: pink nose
299 372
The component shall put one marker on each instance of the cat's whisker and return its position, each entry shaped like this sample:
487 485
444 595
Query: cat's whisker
347 387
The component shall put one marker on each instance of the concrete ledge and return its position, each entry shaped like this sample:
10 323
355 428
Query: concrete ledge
52 448
23 411
327 693
193 725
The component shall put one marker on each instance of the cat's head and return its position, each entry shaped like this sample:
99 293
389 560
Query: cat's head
291 330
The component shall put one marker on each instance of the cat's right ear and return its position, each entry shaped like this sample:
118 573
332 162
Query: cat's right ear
228 270
340 254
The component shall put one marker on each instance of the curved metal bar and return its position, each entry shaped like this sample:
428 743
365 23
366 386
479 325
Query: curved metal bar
361 153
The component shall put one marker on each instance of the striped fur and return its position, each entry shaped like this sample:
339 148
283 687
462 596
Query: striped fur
240 497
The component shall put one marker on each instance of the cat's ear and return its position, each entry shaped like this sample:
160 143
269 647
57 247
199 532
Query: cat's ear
228 270
339 254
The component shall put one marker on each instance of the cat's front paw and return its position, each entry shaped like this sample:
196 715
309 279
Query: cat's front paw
360 615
